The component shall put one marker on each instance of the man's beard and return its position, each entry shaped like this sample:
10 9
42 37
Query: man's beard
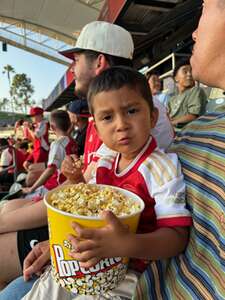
82 91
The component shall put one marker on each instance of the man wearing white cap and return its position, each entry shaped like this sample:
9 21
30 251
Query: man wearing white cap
100 45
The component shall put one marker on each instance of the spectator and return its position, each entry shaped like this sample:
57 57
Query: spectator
121 103
20 214
199 272
156 88
11 156
79 114
38 134
189 101
87 64
19 130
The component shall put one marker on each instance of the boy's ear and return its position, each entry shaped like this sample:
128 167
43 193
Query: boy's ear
101 64
53 127
154 117
96 128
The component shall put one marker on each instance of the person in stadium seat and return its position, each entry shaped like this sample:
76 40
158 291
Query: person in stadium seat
189 101
92 56
79 114
20 214
11 156
156 88
199 272
37 133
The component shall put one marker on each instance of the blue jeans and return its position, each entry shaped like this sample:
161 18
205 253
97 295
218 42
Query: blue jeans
16 289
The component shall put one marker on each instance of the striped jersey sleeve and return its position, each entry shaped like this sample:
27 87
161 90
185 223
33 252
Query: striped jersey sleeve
165 183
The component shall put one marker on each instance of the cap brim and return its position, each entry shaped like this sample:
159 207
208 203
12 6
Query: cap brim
69 53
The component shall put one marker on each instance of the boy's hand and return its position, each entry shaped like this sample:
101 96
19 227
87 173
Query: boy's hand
72 169
91 245
27 190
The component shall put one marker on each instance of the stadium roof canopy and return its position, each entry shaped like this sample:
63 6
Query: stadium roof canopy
45 27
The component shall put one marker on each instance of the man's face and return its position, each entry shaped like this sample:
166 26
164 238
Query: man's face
208 58
83 71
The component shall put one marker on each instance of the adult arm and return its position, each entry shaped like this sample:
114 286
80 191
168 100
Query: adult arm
26 217
183 119
36 260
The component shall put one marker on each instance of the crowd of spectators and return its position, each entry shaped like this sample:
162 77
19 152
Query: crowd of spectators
182 260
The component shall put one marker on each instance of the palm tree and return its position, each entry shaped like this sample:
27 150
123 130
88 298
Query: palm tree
21 91
3 103
8 69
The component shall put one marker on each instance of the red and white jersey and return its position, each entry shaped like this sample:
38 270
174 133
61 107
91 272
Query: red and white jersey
41 135
92 143
156 177
58 150
7 159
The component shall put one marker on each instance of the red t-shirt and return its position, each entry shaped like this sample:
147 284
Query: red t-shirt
92 143
58 150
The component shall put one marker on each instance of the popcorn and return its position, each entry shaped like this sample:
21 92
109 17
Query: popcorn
89 200
95 284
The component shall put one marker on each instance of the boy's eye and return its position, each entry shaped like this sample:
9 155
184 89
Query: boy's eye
132 111
107 118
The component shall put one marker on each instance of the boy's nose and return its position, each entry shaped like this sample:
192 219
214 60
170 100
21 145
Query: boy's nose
122 124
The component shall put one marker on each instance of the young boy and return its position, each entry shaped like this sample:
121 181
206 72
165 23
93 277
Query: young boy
121 103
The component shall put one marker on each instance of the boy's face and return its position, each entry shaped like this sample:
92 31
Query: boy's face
84 72
184 77
123 120
208 58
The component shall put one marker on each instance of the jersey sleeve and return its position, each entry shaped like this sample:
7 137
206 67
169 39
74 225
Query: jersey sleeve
40 130
6 158
56 155
165 183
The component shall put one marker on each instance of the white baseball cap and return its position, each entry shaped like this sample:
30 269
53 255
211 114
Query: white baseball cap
105 38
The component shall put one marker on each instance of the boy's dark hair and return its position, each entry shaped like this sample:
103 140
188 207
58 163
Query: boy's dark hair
181 63
111 59
61 119
117 77
151 73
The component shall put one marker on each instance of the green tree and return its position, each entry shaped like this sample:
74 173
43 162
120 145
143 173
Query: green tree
4 103
8 70
21 91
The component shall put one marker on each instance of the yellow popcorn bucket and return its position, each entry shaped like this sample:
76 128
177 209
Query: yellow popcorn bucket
105 275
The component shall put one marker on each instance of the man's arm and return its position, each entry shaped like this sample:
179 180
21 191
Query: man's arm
26 217
183 119
36 260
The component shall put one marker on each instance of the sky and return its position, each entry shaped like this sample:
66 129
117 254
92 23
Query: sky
44 74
